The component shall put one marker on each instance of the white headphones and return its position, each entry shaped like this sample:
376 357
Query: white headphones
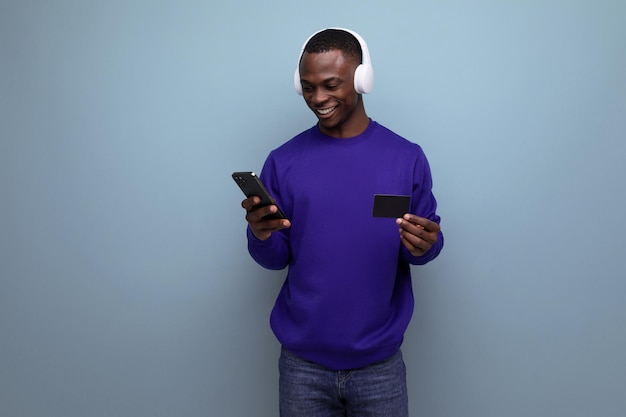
363 75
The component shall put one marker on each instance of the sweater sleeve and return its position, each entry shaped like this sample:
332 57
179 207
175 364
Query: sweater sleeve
272 253
424 204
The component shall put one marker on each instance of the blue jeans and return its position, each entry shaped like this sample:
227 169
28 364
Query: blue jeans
310 390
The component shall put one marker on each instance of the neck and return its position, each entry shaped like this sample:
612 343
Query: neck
354 126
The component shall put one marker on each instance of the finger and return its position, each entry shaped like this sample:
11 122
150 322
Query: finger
263 229
420 237
425 223
249 203
416 248
408 226
257 214
412 239
418 245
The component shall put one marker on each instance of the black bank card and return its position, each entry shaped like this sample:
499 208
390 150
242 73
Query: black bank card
386 205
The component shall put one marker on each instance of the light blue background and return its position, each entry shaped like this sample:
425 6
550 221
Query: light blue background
126 288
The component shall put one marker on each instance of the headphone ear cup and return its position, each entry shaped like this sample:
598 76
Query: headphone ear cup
364 79
296 81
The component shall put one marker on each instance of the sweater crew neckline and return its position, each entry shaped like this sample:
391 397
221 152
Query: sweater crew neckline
353 139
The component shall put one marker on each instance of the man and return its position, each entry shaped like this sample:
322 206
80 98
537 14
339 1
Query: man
347 299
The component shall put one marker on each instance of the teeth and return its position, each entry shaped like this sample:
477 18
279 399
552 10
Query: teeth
325 111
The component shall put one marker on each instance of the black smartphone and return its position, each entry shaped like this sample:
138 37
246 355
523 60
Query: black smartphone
251 185
386 205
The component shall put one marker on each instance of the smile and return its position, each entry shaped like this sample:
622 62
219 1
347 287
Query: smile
324 112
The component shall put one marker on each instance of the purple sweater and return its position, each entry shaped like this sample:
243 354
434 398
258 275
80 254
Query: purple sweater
347 299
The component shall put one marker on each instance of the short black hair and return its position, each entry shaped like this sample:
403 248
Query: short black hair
331 39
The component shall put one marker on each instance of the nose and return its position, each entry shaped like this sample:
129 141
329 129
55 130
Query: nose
318 96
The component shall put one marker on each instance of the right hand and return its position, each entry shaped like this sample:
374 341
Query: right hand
260 227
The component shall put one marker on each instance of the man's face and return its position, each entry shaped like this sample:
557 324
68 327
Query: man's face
328 89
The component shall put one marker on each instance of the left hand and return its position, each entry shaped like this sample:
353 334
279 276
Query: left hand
417 234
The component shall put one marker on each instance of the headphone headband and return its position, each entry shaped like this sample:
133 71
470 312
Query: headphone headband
363 75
